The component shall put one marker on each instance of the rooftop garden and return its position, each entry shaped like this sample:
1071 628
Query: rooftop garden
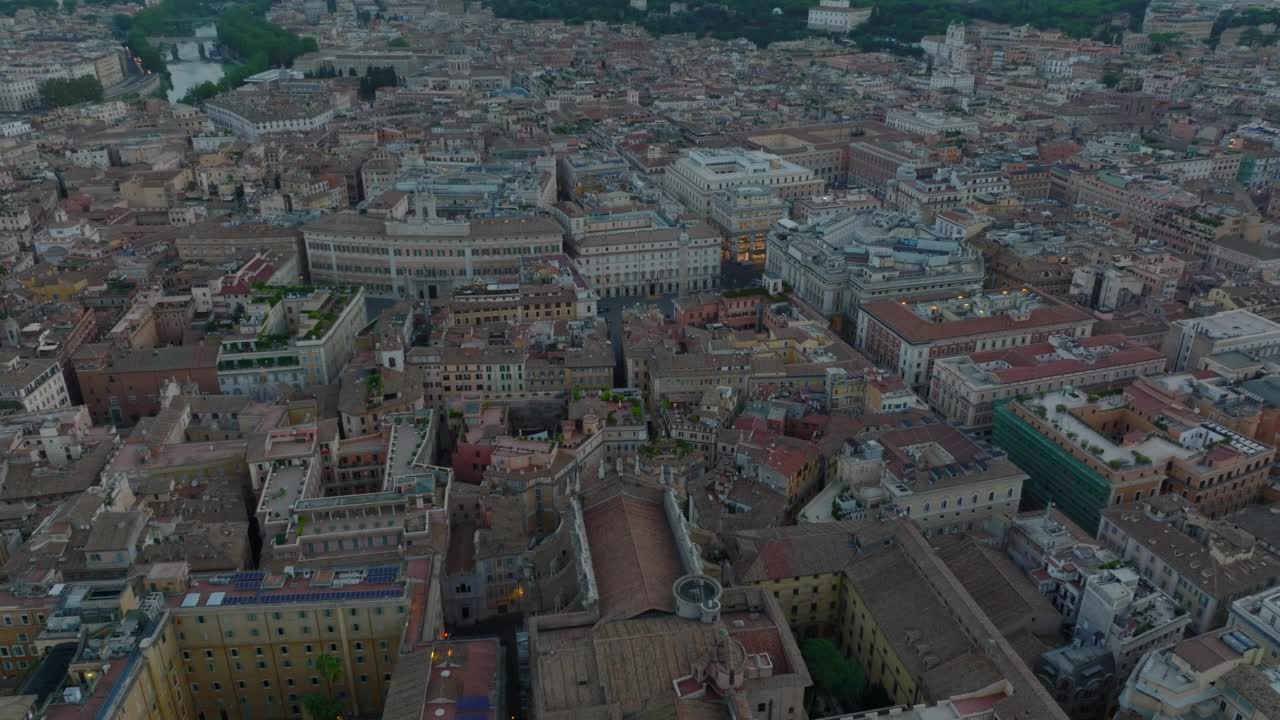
757 291
324 320
1108 429
1111 392
1209 220
667 446
273 341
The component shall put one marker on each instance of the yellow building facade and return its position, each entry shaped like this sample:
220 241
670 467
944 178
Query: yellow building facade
259 660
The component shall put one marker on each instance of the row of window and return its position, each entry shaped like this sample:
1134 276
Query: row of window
304 614
991 496
244 685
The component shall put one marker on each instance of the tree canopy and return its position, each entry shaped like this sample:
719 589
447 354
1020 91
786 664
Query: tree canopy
247 34
322 706
836 677
894 25
11 7
376 77
60 92
150 57
261 44
121 24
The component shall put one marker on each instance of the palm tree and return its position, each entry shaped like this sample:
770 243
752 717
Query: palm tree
330 668
325 707
320 707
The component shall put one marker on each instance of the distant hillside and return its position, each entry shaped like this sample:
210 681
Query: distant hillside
752 19
909 20
903 21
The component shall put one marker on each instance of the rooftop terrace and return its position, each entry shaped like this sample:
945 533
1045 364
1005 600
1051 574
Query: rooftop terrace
285 485
979 305
1060 408
409 448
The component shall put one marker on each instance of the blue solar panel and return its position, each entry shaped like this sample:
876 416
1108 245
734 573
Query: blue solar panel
473 703
329 596
248 575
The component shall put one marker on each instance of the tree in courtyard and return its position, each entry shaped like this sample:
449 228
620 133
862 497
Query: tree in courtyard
836 678
325 706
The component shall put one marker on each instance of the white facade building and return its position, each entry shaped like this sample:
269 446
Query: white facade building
929 123
14 128
837 16
655 259
696 178
32 384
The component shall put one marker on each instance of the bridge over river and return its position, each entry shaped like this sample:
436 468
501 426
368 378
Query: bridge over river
191 66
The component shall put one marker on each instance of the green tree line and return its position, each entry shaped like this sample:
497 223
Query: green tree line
167 16
376 77
60 92
262 45
150 57
243 30
910 20
1251 19
246 34
752 19
11 7
894 23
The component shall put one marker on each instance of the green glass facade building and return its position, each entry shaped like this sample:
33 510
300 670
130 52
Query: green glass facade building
1052 473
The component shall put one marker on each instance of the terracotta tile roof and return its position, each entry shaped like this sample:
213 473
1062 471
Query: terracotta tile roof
787 456
905 322
759 636
449 680
793 551
634 556
1024 363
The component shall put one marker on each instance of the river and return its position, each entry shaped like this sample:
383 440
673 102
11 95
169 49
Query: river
189 70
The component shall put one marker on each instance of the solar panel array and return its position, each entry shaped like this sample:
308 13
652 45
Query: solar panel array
383 574
312 597
472 703
472 707
255 575
247 584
